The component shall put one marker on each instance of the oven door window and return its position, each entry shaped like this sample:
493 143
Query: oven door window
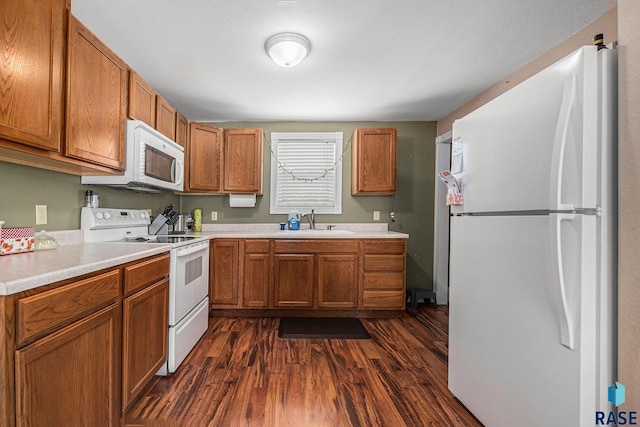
158 165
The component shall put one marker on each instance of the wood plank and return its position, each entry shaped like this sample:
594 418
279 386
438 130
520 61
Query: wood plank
241 373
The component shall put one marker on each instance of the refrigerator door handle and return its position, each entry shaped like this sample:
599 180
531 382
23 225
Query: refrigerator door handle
569 98
558 285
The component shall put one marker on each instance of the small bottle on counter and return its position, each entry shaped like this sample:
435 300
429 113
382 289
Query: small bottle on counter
88 199
197 219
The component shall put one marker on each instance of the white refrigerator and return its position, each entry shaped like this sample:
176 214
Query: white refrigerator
533 248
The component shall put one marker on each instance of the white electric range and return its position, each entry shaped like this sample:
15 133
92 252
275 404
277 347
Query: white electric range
188 273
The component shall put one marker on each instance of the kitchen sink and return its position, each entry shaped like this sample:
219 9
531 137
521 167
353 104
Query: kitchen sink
317 232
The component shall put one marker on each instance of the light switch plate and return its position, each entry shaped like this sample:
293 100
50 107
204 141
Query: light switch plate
376 215
214 216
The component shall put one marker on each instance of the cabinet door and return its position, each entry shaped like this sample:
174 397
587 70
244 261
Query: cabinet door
256 280
71 377
242 161
223 285
142 100
373 167
203 157
32 71
182 128
165 118
294 280
144 338
96 100
338 281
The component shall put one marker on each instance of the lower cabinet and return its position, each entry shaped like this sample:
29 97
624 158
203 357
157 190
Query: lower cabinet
256 277
83 350
224 273
294 280
144 338
323 274
384 274
70 377
338 281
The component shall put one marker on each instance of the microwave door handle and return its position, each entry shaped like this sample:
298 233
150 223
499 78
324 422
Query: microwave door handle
177 171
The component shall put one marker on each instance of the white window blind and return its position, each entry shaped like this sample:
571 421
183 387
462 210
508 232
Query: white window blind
306 172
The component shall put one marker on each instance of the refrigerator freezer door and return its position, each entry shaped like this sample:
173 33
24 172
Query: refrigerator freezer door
509 310
535 147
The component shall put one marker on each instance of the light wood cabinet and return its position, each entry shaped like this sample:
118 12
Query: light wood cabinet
373 161
32 70
316 273
338 280
78 352
182 130
202 164
96 99
165 118
384 274
242 161
308 274
224 274
294 280
142 100
144 338
224 161
70 378
145 324
256 274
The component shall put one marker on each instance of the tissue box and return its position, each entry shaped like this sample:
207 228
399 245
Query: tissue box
16 240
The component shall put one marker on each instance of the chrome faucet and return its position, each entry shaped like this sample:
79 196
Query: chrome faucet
312 219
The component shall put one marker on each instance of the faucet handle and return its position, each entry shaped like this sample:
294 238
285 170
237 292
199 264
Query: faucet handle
330 227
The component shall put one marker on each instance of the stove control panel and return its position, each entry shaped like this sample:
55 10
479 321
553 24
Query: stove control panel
95 218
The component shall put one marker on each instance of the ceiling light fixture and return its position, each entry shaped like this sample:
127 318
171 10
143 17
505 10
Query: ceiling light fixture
287 49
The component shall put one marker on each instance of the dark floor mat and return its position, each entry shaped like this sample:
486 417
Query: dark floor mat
322 328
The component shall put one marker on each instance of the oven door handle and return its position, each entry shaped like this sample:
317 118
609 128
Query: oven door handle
186 252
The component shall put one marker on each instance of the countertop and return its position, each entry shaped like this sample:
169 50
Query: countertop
73 257
21 272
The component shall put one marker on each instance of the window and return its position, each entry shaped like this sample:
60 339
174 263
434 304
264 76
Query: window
306 172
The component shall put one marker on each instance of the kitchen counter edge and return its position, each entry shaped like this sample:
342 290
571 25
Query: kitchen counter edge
23 272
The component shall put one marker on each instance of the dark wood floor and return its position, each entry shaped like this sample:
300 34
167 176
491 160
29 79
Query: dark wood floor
242 374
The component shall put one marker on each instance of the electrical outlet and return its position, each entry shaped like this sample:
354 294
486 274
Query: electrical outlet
41 214
214 216
376 215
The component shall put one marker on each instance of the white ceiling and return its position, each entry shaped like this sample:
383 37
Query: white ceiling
370 59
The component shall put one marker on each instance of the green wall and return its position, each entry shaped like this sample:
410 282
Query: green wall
22 187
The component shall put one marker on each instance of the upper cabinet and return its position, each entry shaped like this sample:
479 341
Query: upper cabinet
182 130
146 105
223 161
373 161
32 72
142 100
96 99
165 118
242 160
202 159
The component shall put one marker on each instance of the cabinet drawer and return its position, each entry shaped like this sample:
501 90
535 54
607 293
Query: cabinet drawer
384 281
384 246
384 262
336 246
145 272
43 312
392 300
256 246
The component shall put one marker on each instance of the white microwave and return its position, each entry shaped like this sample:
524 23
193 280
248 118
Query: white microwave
153 163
